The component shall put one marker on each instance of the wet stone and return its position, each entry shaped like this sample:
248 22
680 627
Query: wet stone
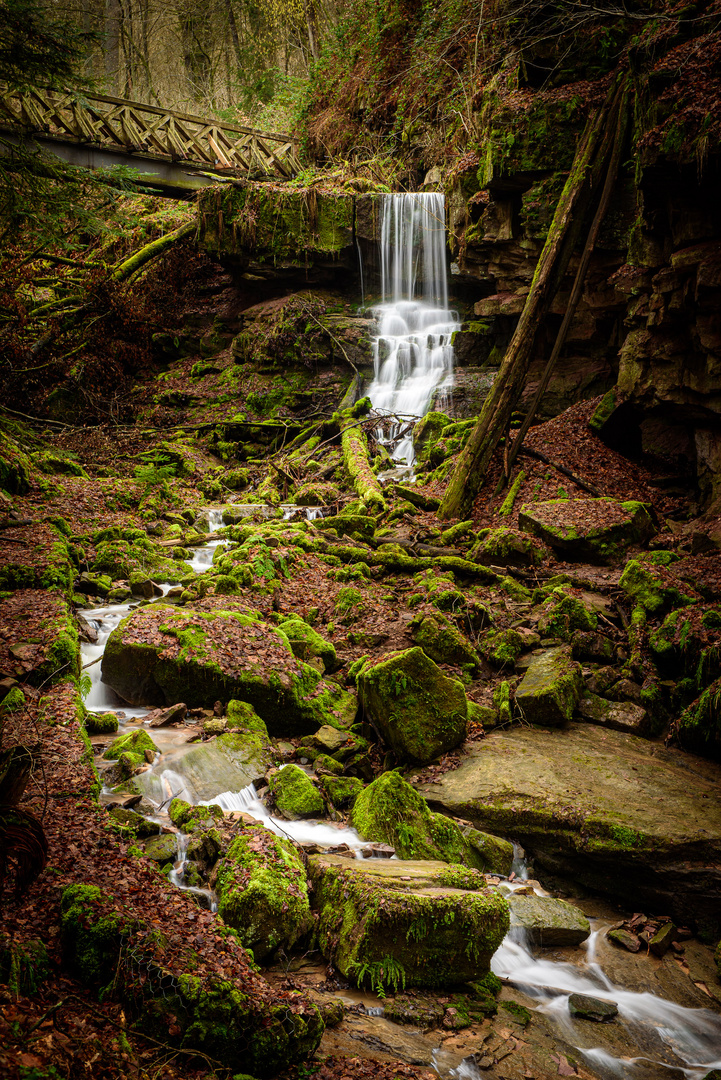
660 943
582 1007
624 939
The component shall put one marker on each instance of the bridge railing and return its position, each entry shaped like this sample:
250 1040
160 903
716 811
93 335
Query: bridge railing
148 131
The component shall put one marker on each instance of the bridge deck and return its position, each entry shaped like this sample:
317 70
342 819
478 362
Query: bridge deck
147 132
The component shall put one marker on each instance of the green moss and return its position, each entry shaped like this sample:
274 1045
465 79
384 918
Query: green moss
13 701
510 500
135 742
350 604
294 793
101 723
502 647
651 587
263 891
241 714
442 641
307 643
24 967
418 710
183 813
342 790
391 812
378 931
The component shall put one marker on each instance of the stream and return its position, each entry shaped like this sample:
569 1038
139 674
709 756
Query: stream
665 1039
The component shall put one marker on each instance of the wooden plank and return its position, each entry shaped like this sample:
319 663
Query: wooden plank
31 110
219 155
194 142
178 150
84 124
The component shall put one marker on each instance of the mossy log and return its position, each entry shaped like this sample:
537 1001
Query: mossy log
151 251
589 165
357 462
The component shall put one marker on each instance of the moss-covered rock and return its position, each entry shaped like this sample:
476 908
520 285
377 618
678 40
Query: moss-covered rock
134 742
160 654
442 641
651 586
183 814
548 921
100 723
550 689
418 710
263 892
504 547
563 613
502 647
307 643
241 714
390 811
342 790
392 925
139 558
495 855
294 793
569 526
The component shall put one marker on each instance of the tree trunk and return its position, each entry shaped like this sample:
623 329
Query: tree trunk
577 285
576 197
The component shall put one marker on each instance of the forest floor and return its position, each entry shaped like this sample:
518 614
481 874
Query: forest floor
73 482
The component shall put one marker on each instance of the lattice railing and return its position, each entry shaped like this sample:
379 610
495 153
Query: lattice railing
148 131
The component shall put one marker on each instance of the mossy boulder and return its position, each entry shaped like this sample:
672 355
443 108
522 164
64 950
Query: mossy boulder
134 742
160 654
342 790
139 559
564 613
494 855
502 647
390 925
571 526
505 547
442 641
390 811
241 714
551 688
294 793
263 891
105 723
316 493
418 710
307 643
186 816
547 921
651 586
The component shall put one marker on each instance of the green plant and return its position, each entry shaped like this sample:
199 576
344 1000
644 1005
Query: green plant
381 974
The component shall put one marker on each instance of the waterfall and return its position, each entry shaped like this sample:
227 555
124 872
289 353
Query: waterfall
412 350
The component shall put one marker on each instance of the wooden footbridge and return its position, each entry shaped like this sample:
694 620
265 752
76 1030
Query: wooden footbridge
176 149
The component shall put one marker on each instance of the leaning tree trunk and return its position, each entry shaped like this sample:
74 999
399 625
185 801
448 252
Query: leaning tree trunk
578 194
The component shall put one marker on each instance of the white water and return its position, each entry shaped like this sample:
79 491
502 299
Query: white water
412 350
691 1036
202 558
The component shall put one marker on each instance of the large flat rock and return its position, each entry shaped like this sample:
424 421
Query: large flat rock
615 812
396 923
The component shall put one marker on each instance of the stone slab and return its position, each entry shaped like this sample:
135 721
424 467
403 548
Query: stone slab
615 812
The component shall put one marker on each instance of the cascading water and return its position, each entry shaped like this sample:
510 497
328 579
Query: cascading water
412 350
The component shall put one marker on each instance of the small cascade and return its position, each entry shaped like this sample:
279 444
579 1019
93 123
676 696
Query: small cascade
103 620
689 1039
202 557
412 350
247 802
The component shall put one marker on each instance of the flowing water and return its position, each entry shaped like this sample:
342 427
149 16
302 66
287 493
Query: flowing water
412 349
